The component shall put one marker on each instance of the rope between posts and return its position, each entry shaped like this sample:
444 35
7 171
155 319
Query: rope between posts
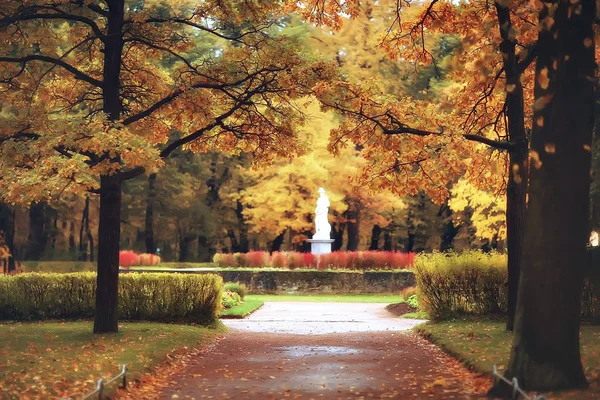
102 384
516 390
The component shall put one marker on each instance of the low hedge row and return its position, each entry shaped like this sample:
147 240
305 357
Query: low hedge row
144 296
474 282
469 283
341 260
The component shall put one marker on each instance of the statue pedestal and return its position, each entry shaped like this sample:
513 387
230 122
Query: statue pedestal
320 246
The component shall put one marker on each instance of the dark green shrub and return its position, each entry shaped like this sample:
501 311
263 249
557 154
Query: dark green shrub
151 296
469 283
236 287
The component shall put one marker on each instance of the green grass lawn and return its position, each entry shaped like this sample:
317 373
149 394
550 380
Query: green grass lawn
242 310
483 343
62 359
334 298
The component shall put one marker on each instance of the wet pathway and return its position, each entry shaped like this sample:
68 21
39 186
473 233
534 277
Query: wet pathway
322 351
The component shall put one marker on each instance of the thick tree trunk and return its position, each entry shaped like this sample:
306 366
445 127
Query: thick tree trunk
546 351
149 220
277 242
109 233
516 188
375 236
37 238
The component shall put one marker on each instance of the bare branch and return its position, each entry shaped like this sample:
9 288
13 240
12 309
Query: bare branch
497 144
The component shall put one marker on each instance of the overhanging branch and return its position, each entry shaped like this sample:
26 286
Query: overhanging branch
38 57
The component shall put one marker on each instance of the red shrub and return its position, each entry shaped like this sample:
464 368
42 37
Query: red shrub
295 260
309 260
257 259
128 258
403 260
278 260
327 261
226 260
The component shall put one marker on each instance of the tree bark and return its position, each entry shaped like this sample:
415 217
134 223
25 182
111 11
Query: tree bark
546 351
37 239
149 220
108 255
110 186
375 236
516 188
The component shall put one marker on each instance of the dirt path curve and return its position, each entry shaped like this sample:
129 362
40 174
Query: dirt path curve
323 351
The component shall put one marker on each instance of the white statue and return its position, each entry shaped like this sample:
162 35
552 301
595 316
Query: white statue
321 223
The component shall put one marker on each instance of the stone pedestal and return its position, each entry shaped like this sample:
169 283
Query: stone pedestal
320 246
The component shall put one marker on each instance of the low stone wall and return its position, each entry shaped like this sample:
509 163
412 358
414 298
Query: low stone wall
320 281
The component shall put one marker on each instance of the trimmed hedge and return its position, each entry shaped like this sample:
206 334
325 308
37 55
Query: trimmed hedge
469 283
338 260
474 282
143 296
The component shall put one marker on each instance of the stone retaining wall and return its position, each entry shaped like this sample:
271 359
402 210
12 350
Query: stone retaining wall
320 281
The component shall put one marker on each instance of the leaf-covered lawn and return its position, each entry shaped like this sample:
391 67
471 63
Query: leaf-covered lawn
483 343
242 310
65 359
334 298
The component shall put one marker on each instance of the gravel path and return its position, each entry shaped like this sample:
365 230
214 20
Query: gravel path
323 351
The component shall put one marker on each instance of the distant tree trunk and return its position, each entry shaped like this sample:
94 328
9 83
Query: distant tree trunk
149 221
184 247
72 243
235 246
411 242
304 246
449 231
337 230
87 241
353 216
205 251
545 358
516 188
387 240
375 236
7 227
242 227
277 242
88 231
37 239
